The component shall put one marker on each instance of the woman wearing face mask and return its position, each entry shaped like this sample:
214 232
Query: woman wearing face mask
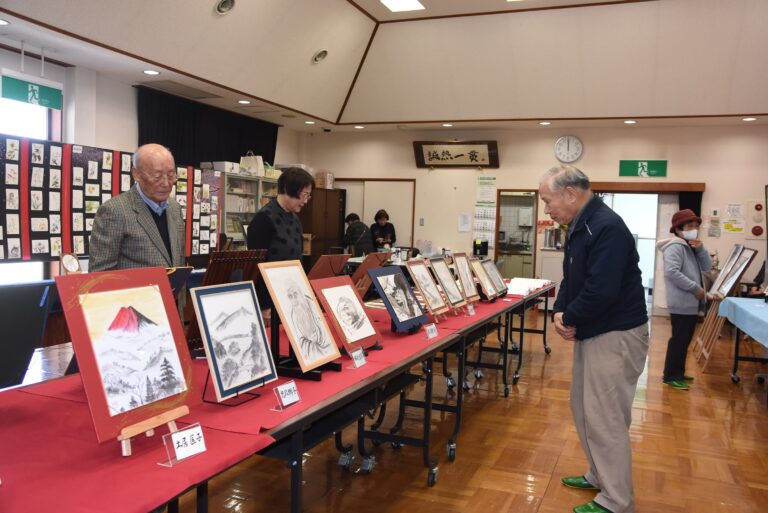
684 260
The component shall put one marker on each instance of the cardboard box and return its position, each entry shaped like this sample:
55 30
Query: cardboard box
324 180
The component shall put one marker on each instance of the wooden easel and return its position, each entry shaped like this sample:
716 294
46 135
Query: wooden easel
704 341
226 267
725 285
148 427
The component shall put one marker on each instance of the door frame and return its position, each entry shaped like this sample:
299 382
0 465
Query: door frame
413 198
534 227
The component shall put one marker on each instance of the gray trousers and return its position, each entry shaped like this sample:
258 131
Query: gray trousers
605 373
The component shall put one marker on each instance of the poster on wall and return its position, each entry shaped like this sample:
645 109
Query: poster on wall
485 211
10 196
44 199
91 185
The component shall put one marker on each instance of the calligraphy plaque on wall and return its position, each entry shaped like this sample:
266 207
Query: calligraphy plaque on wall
456 154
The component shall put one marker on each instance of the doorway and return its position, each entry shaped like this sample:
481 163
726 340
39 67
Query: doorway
516 233
365 196
640 213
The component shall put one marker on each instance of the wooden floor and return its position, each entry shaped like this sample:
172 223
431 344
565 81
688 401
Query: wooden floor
700 451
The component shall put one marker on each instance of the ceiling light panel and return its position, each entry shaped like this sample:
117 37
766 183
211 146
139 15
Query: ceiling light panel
403 5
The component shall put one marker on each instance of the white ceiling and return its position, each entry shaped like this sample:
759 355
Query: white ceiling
645 59
435 8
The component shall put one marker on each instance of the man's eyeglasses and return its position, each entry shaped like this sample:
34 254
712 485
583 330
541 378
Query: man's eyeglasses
170 177
305 195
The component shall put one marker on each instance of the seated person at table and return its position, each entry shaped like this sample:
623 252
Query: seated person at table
383 231
358 235
141 227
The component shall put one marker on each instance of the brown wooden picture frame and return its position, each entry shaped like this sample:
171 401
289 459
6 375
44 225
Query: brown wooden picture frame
444 277
323 288
486 284
456 154
287 283
428 289
466 280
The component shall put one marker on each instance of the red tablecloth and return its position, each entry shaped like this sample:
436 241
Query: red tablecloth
50 459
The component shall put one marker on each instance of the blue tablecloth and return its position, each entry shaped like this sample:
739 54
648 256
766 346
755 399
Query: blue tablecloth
749 315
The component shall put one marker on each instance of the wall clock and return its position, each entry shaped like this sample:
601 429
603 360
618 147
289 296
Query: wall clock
568 148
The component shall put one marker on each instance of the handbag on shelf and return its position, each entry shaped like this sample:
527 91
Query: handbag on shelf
251 164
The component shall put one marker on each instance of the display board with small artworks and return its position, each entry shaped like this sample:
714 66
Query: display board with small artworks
50 193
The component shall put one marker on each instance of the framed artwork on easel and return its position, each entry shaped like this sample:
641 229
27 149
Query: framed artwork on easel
452 289
235 341
426 284
130 347
495 276
486 285
304 323
466 280
399 299
344 307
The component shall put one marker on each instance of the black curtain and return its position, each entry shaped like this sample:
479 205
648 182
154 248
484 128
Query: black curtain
690 200
199 133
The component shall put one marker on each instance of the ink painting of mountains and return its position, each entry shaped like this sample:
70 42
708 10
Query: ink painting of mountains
235 341
135 351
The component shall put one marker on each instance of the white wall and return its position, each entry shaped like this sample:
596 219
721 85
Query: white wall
731 160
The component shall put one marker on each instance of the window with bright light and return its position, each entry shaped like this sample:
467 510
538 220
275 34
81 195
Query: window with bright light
23 120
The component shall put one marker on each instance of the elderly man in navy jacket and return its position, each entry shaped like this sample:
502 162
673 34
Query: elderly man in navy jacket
600 307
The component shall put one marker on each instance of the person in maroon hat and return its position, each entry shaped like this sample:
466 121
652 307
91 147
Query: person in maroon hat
684 260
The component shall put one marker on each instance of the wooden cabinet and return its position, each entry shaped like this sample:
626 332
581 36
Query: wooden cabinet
323 218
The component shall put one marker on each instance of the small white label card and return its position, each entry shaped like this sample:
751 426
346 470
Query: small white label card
287 394
470 309
431 330
187 442
358 357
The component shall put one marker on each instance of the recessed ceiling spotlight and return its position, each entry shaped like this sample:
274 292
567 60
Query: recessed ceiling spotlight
514 0
4 22
151 72
244 102
545 123
629 121
222 7
447 125
319 56
309 122
749 119
402 5
359 127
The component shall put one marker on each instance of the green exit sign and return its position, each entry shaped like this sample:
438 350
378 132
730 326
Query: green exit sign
30 89
643 168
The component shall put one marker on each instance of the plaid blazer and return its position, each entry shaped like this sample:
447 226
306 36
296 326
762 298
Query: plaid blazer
125 236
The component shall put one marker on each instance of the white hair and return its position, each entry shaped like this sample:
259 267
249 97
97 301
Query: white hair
565 176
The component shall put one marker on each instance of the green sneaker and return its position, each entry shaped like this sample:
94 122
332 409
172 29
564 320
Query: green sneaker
591 507
579 482
688 378
677 385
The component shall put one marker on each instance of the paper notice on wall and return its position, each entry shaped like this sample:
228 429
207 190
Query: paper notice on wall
714 230
465 221
486 189
485 210
735 210
734 224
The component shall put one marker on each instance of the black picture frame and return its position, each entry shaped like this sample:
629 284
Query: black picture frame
488 156
419 318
